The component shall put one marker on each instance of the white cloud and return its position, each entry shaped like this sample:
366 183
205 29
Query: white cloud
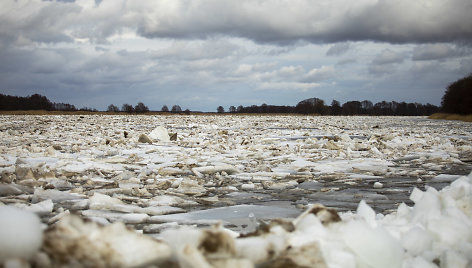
243 69
289 72
318 74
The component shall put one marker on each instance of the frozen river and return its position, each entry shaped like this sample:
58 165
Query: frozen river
274 165
234 191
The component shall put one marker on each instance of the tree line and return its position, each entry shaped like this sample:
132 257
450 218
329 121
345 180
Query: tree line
39 102
318 106
457 99
141 108
308 106
128 108
33 102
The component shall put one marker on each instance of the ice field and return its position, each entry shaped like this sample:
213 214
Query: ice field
235 191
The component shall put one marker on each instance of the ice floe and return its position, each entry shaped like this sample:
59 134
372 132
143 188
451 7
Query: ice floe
436 231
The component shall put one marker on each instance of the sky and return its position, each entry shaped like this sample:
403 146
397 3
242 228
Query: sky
201 54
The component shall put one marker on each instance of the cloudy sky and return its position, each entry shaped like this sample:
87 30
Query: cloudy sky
200 54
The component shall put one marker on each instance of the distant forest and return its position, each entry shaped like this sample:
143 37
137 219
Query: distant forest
39 102
308 106
33 102
457 99
318 106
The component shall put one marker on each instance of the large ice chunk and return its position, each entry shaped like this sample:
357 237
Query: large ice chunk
160 134
20 233
91 245
374 247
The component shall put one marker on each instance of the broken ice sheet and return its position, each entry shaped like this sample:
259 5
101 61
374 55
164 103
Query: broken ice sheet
216 161
238 215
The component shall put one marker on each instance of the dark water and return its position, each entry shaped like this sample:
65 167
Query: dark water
238 210
344 194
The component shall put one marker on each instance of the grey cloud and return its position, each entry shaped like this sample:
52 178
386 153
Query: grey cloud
346 61
284 22
35 21
424 67
466 66
281 22
275 51
387 57
40 61
289 77
338 49
32 22
209 49
434 52
69 70
381 69
406 21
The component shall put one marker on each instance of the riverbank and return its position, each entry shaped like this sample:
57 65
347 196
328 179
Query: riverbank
458 117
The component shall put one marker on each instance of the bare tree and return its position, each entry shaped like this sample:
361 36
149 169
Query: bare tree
141 108
176 109
232 109
127 108
113 108
164 108
335 107
220 109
